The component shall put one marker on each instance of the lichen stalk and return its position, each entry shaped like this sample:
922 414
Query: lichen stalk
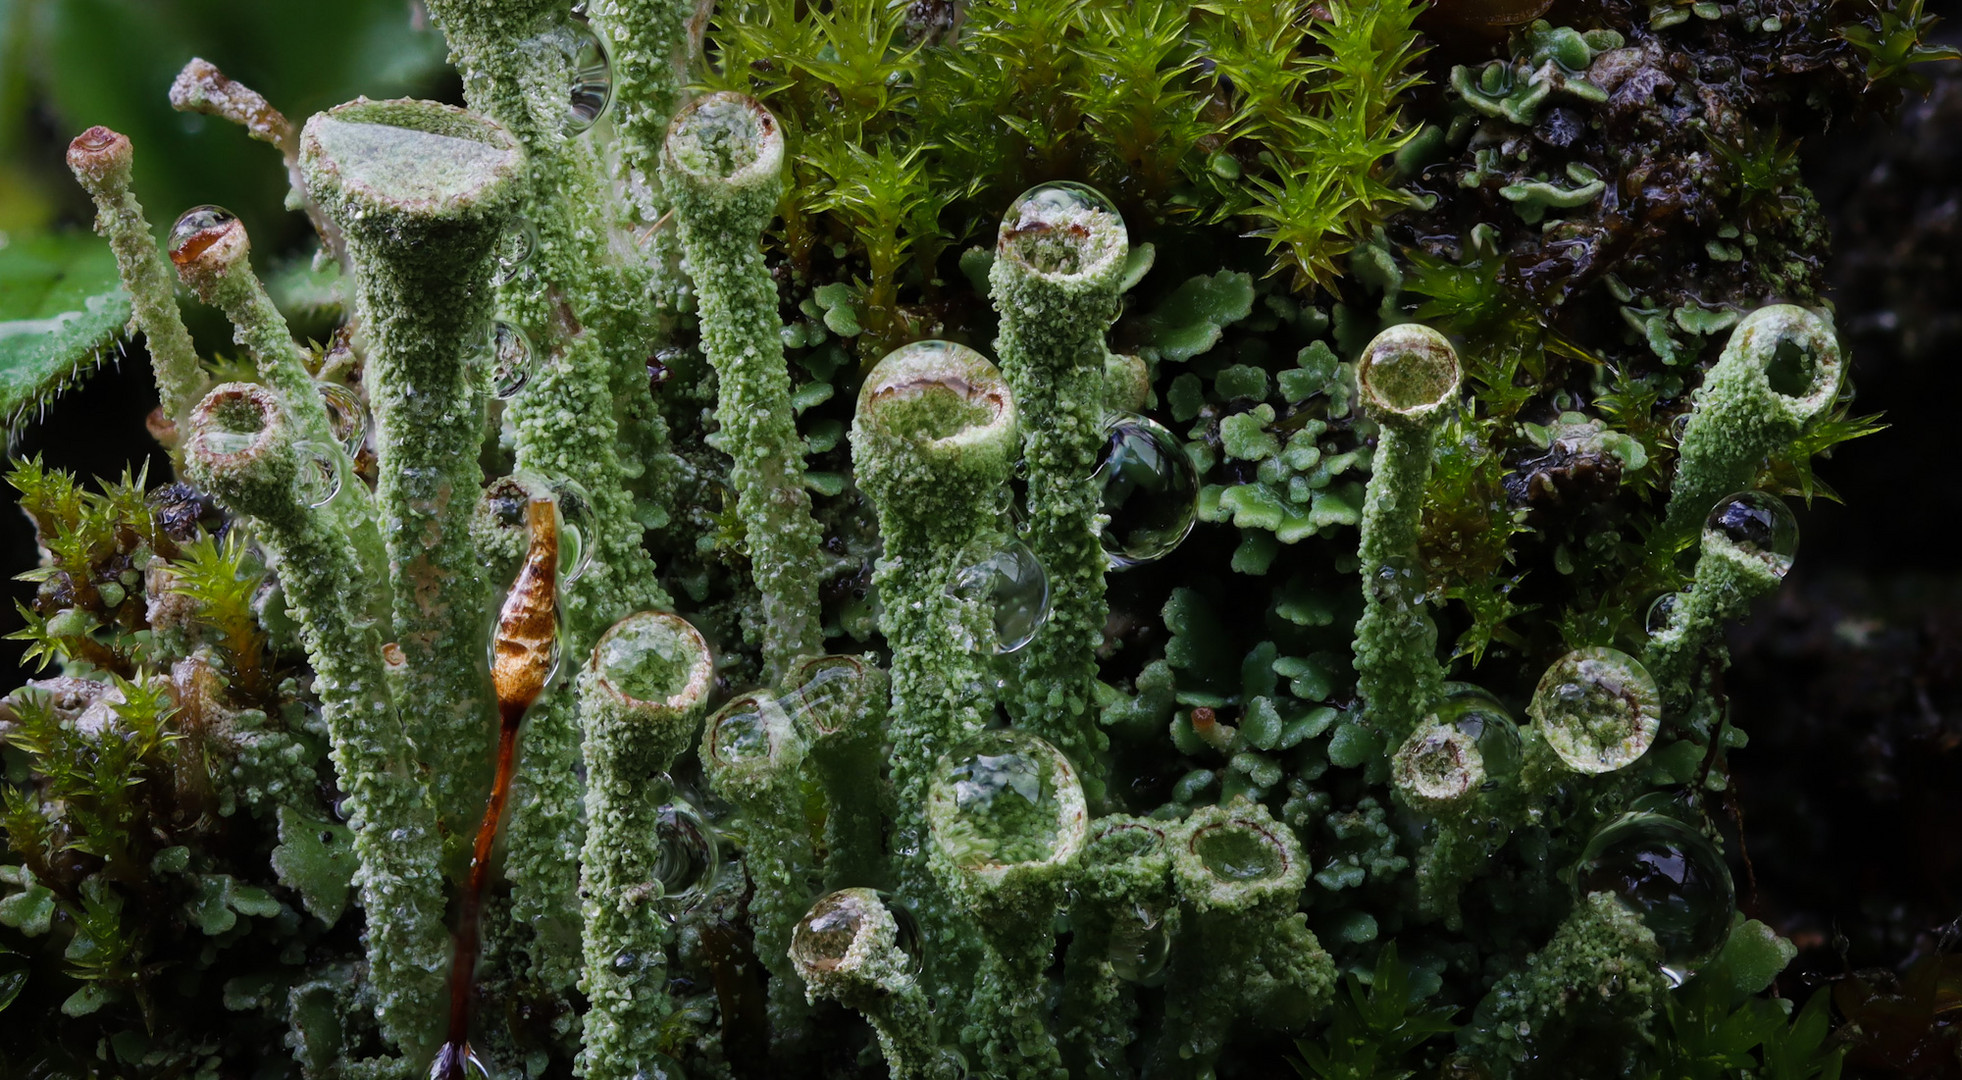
1056 282
101 160
1124 888
870 973
840 704
723 165
1407 374
395 837
652 43
1779 372
1240 874
1690 648
423 192
932 443
641 698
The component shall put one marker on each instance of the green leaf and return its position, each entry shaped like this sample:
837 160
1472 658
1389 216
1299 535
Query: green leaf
61 310
10 986
29 911
1189 321
316 859
1753 956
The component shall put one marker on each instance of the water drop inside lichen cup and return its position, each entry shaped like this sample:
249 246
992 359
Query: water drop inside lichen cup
1064 229
183 242
748 730
1757 524
824 939
1011 584
1598 709
1671 876
1149 491
1490 726
1006 798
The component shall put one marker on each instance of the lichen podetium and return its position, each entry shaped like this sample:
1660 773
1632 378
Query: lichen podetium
917 536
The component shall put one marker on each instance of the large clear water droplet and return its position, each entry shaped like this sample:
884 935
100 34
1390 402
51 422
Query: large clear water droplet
828 692
1669 874
1236 851
507 361
216 442
1140 945
685 855
1012 586
1149 490
747 730
1760 524
320 474
1598 709
577 519
1004 798
1660 612
1058 204
190 223
592 80
824 937
1475 712
514 250
347 417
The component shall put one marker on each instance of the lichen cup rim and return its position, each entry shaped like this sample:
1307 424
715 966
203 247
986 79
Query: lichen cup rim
1412 395
700 674
919 367
494 185
763 142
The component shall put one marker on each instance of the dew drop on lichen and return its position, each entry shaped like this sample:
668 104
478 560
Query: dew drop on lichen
824 937
1671 876
507 361
1475 712
1758 523
1149 490
515 249
1660 612
1140 945
685 855
347 418
1236 851
190 223
1012 586
576 519
592 80
748 729
320 474
1056 203
1005 797
1598 709
827 691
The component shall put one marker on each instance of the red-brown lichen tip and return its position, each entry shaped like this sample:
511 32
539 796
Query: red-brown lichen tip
97 153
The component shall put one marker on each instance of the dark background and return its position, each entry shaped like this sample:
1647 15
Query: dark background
1849 680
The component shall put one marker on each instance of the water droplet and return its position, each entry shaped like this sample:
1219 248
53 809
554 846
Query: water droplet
1140 945
1149 488
1758 523
347 418
1011 584
1679 424
576 519
1660 612
184 244
1237 851
824 938
320 474
828 692
507 361
1005 797
514 249
1474 711
1669 874
749 729
95 138
685 854
217 443
1598 709
458 1061
592 80
1045 208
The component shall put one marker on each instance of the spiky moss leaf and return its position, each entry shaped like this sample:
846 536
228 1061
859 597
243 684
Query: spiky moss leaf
61 309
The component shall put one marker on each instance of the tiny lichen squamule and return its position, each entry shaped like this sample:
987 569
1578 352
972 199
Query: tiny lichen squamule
1001 755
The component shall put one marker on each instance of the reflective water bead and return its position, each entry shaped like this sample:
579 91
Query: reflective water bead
749 728
1760 524
1669 874
592 80
1598 709
685 853
514 250
189 224
217 442
347 417
1140 945
827 691
1006 797
507 361
320 474
823 939
576 519
1237 851
1012 585
1062 228
1660 612
1149 490
1057 203
1474 711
